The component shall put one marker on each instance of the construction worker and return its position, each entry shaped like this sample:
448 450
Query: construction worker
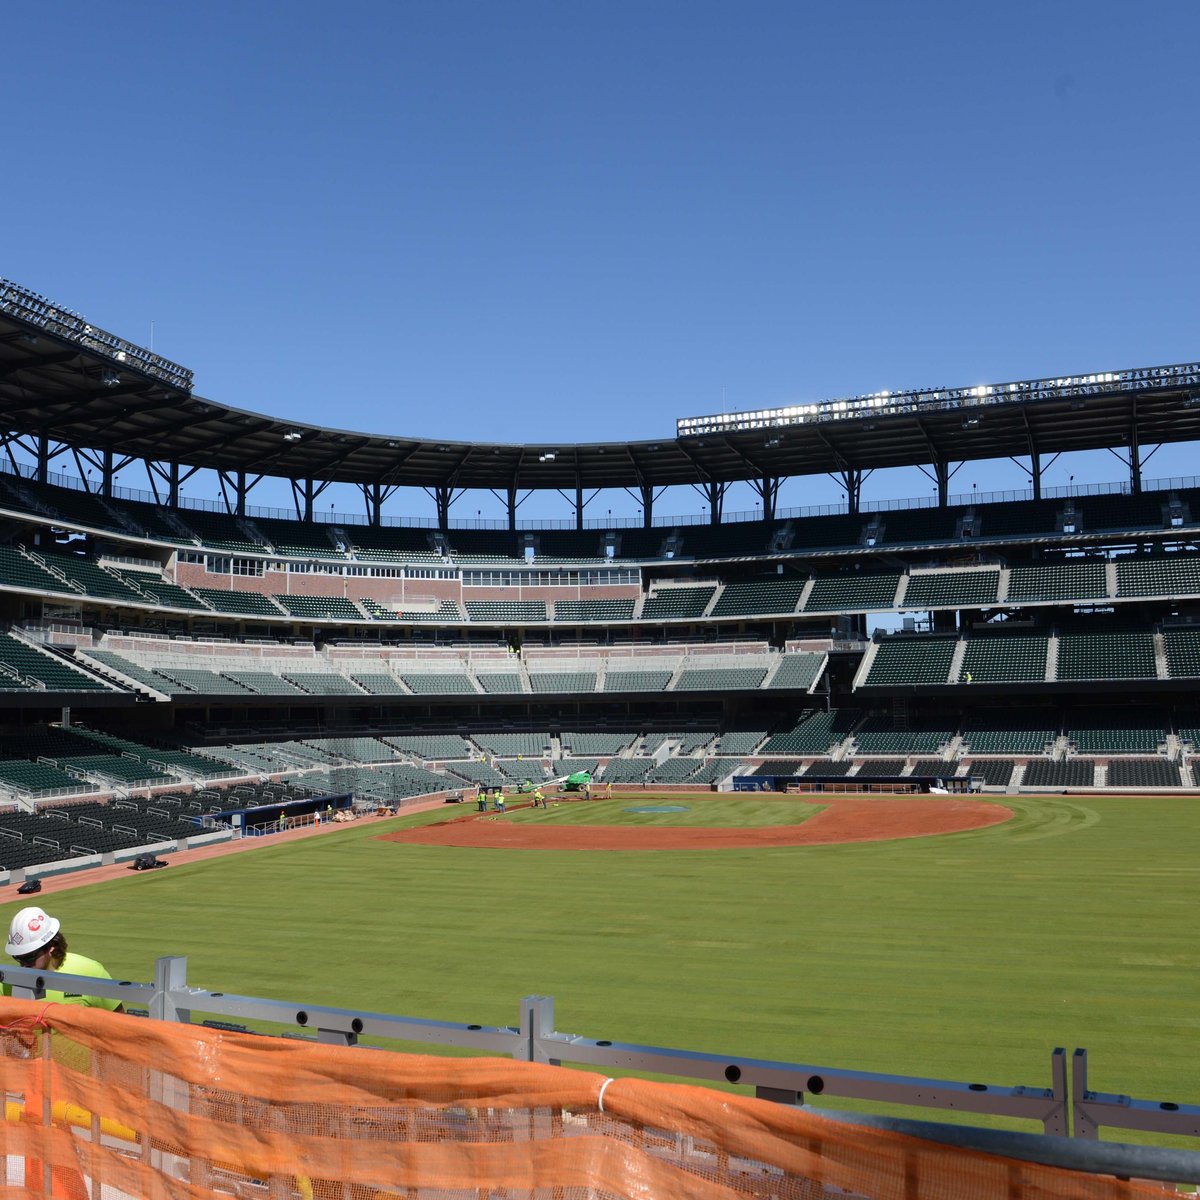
539 801
35 939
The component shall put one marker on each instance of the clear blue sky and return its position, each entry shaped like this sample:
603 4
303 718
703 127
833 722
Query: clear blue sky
503 220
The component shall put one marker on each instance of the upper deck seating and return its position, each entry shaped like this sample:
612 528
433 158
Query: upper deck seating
755 597
820 533
851 592
1110 654
321 608
203 681
1183 652
720 679
625 680
377 683
506 612
570 545
447 610
17 571
438 683
219 531
1122 512
798 670
230 600
690 740
55 673
1017 518
1168 575
1058 581
641 543
733 540
1004 657
390 543
20 775
94 580
904 660
322 683
500 682
266 683
919 524
562 681
151 521
159 591
299 539
674 603
594 610
960 589
484 545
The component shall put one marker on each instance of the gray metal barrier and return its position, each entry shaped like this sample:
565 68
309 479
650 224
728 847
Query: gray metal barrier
534 1039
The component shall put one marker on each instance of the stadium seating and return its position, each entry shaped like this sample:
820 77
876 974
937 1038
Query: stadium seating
322 683
298 539
507 612
594 610
719 679
905 660
19 571
238 602
1109 654
817 533
218 530
740 741
159 591
876 768
378 683
510 745
585 742
756 597
1065 773
31 663
1167 575
676 603
1122 512
1143 773
1017 518
320 608
266 683
813 732
1116 739
500 682
1182 647
1004 657
958 589
995 772
1007 736
1057 581
919 524
440 683
562 681
799 671
852 593
91 579
636 681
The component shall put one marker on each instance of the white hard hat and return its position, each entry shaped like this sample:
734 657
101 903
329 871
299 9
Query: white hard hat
31 929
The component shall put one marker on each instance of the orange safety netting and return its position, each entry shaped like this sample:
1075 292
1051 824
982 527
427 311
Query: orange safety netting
114 1105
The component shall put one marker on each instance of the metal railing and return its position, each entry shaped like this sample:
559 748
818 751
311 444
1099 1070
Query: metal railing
1067 1106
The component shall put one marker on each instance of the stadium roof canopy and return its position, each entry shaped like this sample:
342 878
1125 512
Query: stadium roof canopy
62 379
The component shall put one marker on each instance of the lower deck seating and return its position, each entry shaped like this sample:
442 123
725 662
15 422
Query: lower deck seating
1143 773
1067 773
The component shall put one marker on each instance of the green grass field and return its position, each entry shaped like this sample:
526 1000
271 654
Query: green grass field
967 956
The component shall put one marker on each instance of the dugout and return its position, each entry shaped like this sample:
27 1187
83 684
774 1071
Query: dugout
883 784
264 818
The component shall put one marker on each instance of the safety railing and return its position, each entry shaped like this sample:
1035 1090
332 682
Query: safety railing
534 1039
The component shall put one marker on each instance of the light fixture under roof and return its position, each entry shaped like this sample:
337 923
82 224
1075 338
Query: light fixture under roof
292 435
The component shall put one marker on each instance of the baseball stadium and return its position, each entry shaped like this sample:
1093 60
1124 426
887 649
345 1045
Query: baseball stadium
829 851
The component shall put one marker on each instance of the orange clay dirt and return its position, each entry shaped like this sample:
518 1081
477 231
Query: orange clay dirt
854 819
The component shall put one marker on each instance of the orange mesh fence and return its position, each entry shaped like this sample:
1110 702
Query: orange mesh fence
108 1105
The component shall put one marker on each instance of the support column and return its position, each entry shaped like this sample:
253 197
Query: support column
715 494
767 489
647 505
442 497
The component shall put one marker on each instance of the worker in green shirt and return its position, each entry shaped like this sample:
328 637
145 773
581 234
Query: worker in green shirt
35 939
